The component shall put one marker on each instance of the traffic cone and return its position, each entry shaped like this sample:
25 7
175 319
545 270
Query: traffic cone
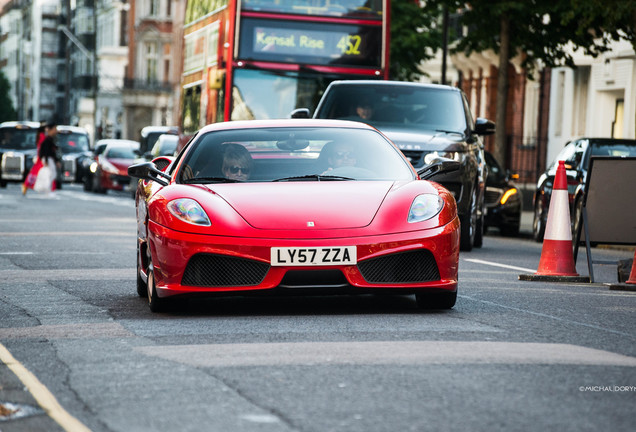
557 258
632 275
630 283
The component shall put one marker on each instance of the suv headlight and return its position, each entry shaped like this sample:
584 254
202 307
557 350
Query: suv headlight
456 156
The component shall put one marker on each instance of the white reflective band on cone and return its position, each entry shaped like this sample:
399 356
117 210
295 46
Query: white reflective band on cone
558 225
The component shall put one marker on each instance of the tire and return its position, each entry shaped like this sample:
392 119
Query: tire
432 301
155 303
142 287
469 225
479 232
577 218
539 220
88 183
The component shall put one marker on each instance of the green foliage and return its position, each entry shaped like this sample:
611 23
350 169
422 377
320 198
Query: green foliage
416 34
7 112
545 30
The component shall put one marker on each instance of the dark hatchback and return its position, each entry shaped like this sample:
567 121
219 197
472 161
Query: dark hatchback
576 155
503 199
424 121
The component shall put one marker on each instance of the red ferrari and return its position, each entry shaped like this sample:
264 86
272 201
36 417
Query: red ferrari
281 206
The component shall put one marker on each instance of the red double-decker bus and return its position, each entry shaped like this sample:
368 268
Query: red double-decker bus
258 59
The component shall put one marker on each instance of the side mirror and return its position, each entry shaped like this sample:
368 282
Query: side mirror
484 126
438 166
300 113
148 171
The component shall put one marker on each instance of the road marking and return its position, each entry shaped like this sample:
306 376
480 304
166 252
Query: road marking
385 352
68 233
542 315
67 331
494 264
41 394
13 276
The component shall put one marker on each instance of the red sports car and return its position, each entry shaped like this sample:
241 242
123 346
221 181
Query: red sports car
281 206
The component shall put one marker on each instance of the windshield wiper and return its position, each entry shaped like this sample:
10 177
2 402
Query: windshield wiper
316 177
448 131
210 180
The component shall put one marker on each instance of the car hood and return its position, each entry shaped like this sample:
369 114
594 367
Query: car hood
29 152
299 205
121 164
424 140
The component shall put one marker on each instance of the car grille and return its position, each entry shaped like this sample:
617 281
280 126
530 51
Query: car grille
211 270
12 166
414 156
493 195
404 267
313 278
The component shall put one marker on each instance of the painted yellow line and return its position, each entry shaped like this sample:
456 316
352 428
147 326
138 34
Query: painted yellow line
41 394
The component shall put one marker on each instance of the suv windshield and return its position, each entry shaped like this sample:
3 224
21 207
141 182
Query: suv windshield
404 107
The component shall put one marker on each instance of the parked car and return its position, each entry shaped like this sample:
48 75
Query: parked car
503 199
18 150
150 135
303 206
166 145
425 121
576 155
73 147
109 170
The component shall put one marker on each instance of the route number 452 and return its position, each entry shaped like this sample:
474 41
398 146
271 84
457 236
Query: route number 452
350 44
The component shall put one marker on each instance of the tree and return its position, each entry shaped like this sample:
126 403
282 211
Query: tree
416 35
7 112
539 30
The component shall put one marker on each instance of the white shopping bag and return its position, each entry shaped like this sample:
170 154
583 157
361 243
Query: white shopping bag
43 180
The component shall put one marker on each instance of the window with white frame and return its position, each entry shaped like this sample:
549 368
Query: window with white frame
150 62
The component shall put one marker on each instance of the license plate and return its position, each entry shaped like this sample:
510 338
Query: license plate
313 256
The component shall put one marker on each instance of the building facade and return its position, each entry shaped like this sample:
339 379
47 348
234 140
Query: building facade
154 64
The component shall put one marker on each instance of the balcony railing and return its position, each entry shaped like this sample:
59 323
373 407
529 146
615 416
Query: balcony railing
148 85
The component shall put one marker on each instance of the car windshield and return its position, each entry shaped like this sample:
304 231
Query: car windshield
121 153
17 138
293 154
405 107
72 142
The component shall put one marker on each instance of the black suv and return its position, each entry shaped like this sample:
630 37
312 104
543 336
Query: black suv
424 121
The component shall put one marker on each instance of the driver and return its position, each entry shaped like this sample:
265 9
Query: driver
237 162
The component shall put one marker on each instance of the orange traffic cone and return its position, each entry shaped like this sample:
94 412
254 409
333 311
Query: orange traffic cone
632 275
630 283
557 258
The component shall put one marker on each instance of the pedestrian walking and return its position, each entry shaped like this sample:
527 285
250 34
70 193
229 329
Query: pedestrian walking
45 181
29 182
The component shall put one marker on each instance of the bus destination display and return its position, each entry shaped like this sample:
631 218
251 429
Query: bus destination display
313 44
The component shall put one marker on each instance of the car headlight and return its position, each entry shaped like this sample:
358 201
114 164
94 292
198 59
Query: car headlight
93 167
508 195
424 207
190 211
456 156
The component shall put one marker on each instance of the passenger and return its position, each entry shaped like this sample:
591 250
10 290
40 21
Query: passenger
340 155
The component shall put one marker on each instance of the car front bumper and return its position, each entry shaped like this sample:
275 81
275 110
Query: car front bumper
401 263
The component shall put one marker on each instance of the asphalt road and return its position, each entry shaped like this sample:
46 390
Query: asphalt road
79 350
